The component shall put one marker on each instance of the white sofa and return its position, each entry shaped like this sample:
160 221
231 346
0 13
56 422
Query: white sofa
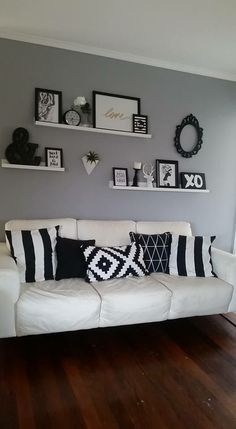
73 304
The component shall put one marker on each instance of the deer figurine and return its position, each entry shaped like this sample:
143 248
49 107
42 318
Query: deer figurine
148 171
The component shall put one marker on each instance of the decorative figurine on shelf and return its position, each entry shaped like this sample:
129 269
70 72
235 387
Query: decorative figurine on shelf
20 151
148 171
84 106
137 168
90 161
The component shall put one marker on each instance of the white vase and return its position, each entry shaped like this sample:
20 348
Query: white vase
89 166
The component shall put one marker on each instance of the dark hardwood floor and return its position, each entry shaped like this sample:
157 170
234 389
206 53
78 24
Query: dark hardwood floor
175 374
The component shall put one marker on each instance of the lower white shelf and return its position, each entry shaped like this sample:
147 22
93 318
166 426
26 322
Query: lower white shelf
143 188
6 164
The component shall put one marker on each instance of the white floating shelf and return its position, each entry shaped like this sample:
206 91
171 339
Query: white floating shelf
142 188
93 130
5 164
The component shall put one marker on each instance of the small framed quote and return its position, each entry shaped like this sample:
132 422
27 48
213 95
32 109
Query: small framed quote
167 173
140 124
120 176
53 157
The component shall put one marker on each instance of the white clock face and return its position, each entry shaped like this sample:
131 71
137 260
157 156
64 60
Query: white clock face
72 117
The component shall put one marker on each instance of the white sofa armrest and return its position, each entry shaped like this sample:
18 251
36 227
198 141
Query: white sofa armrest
9 292
224 266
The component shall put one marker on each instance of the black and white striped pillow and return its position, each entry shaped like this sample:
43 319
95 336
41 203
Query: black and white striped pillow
34 253
191 256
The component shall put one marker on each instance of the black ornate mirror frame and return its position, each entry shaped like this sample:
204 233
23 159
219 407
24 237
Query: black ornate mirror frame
189 120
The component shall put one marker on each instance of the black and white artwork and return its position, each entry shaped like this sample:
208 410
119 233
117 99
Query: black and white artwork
53 157
114 112
140 124
120 176
48 105
193 180
167 173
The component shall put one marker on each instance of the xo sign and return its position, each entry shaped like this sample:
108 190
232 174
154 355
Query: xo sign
193 180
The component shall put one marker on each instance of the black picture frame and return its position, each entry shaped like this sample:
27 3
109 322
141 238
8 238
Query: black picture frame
104 114
52 163
188 120
48 105
140 124
116 182
168 177
190 180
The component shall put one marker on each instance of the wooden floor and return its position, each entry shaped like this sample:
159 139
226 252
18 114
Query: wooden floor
176 374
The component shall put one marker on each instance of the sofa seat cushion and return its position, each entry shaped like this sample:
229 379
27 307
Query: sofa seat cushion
55 306
132 300
195 296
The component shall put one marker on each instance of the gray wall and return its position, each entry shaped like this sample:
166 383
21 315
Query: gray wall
166 97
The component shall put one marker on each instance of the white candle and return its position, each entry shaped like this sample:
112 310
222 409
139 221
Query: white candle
137 165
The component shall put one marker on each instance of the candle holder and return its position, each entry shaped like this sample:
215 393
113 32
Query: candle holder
135 179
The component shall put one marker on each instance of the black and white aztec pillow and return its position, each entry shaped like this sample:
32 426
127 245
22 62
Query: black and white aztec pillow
105 263
156 248
191 256
34 253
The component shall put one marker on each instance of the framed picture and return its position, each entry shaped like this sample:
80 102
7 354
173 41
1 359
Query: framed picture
140 124
114 112
53 157
167 173
120 176
193 180
48 105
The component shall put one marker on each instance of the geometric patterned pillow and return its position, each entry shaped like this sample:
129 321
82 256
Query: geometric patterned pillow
105 263
156 250
191 256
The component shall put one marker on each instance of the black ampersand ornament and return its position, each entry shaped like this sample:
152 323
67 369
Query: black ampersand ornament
20 151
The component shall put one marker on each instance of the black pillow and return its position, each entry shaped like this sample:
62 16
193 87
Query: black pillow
70 258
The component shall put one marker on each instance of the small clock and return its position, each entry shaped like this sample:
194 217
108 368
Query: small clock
72 117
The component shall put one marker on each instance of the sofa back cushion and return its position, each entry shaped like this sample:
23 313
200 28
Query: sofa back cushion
181 228
67 226
106 232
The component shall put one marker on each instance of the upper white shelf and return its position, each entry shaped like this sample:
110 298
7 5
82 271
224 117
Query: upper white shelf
93 130
143 188
5 164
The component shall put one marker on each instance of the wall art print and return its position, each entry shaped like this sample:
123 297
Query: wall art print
120 176
193 180
167 173
48 105
114 112
53 157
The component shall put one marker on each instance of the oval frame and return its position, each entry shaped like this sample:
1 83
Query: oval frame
188 120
